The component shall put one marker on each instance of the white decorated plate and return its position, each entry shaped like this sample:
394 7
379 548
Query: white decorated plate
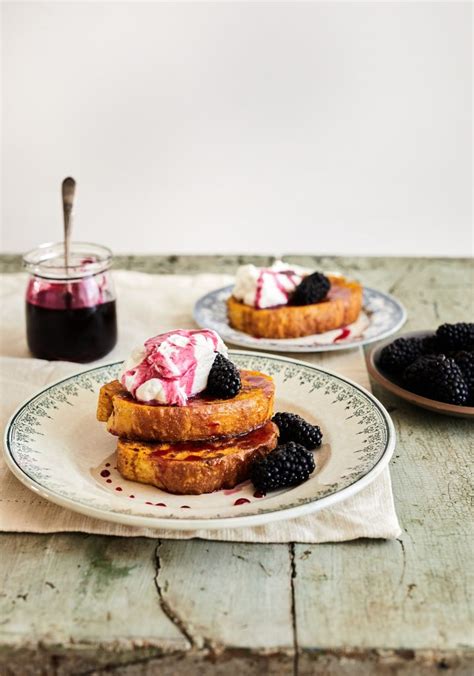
381 316
55 446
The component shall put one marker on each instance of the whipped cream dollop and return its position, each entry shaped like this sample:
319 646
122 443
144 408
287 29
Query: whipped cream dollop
267 287
172 367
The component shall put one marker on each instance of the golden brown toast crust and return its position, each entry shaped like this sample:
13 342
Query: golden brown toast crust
201 418
342 307
195 467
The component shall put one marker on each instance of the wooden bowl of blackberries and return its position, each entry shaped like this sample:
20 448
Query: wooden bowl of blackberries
431 369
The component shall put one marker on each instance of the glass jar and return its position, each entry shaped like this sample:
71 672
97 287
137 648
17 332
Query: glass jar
70 312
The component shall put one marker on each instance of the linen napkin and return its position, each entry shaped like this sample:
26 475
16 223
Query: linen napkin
147 305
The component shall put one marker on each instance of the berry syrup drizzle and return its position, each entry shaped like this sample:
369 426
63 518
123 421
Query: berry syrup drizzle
109 475
175 366
237 489
114 481
278 278
345 333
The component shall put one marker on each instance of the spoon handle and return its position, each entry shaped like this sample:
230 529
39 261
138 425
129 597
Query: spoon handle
68 191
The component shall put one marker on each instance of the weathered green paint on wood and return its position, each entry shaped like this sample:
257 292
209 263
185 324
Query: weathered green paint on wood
92 604
203 581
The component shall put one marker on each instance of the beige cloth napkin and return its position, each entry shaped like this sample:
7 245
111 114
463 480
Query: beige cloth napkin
148 304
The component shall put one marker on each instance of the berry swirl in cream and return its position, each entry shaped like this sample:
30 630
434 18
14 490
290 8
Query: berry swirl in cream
171 367
267 287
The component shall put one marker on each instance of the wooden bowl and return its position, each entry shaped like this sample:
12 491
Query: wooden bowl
395 387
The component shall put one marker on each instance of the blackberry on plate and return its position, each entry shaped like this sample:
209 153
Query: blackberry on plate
224 379
437 377
465 361
458 336
293 427
312 289
395 357
288 465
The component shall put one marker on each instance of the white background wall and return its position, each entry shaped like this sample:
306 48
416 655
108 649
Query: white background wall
319 127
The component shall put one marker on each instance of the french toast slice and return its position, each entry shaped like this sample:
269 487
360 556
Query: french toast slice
195 467
202 418
341 307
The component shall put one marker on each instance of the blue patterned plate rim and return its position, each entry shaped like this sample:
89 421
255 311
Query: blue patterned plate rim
264 516
207 309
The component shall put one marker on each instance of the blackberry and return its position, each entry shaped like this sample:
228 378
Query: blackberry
288 465
465 361
224 378
311 289
437 377
456 336
395 357
293 427
431 345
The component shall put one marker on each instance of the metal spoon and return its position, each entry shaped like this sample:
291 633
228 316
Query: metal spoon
68 191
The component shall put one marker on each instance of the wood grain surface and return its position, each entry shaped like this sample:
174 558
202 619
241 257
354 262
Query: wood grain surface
82 604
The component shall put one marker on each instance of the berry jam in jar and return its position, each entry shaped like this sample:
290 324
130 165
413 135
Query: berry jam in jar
70 312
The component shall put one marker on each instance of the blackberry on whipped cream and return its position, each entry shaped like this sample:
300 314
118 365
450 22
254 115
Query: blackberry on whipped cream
172 367
267 287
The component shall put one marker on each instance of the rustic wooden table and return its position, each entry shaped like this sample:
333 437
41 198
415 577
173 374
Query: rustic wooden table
82 604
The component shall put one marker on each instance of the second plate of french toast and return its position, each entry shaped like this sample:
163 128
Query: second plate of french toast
288 308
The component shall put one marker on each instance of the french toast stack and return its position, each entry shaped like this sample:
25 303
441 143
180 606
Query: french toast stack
204 446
